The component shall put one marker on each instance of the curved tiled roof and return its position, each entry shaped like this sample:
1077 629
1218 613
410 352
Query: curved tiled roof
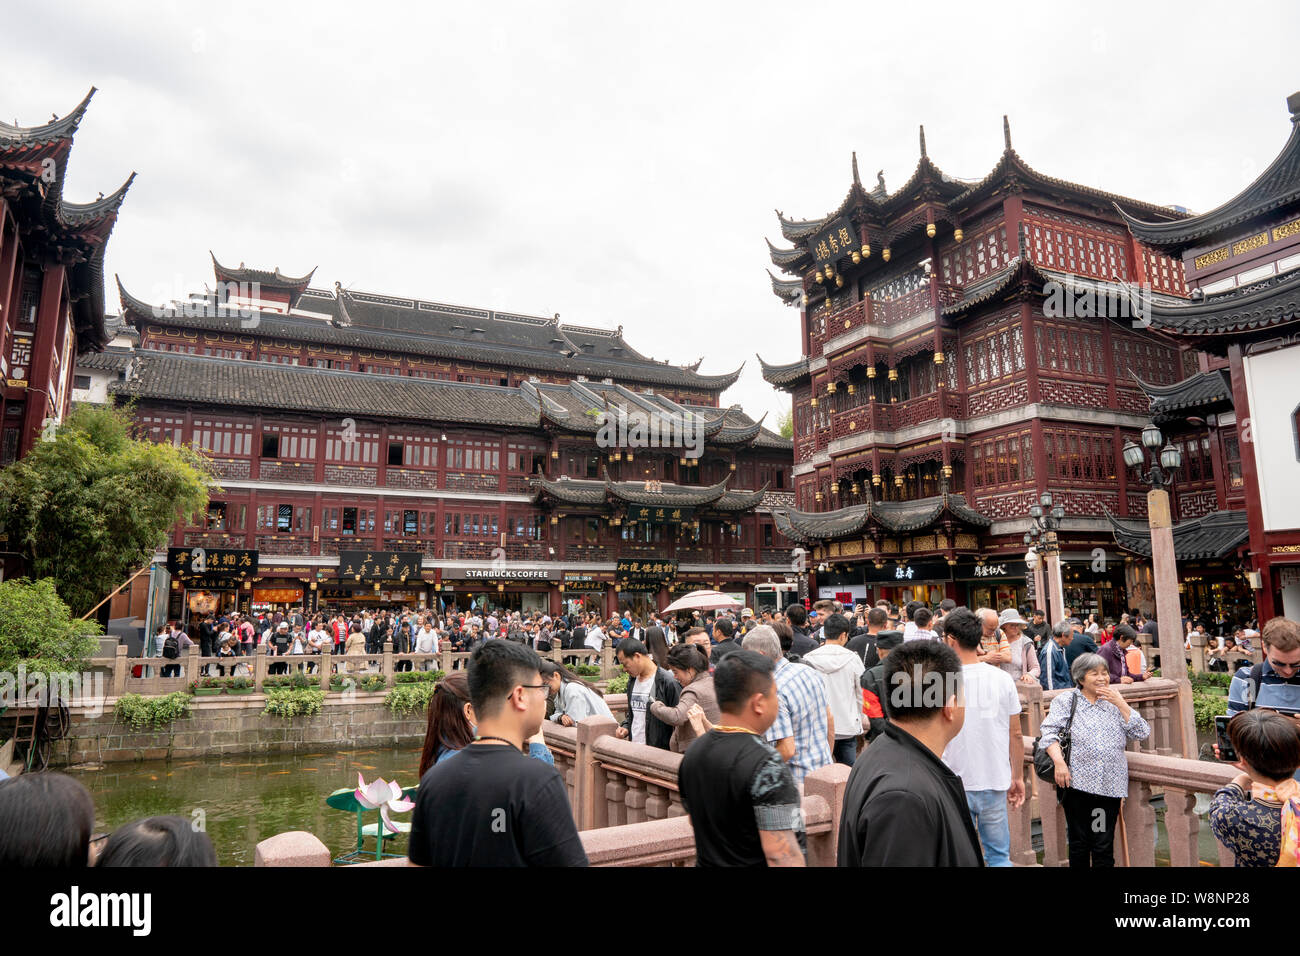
587 492
51 132
171 376
783 375
1277 186
362 320
1201 392
785 258
788 290
1215 535
1260 306
893 516
633 492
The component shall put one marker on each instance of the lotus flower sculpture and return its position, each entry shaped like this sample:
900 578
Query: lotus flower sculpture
383 796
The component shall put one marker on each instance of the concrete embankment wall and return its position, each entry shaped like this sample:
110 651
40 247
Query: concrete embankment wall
226 725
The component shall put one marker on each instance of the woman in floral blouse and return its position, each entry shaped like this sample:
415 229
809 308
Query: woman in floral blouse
1257 816
1094 782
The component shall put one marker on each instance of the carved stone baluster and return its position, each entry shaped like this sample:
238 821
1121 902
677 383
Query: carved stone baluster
675 808
615 794
1164 739
1139 825
635 800
656 803
1182 826
1056 843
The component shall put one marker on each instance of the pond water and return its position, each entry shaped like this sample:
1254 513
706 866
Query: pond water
243 798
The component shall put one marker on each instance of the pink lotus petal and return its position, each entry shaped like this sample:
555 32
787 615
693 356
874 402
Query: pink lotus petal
383 812
402 805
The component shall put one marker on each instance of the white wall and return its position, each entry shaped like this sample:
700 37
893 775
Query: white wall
1273 389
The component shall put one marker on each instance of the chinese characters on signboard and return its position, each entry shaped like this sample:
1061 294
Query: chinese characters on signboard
379 565
656 514
834 241
209 563
645 573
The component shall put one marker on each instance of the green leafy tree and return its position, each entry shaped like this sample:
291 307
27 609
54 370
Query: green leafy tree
785 425
93 504
38 630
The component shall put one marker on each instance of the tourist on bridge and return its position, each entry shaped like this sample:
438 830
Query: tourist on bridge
841 669
803 732
491 805
902 805
574 697
1021 658
648 682
1274 682
1115 653
1257 815
1094 779
1054 671
744 806
690 668
988 751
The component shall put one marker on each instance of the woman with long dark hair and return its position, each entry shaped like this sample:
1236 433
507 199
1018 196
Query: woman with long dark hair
574 697
657 644
452 724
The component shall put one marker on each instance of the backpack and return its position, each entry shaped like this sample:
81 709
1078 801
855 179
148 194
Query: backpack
171 648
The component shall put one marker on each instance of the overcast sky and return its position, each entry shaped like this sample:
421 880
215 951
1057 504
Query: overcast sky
614 163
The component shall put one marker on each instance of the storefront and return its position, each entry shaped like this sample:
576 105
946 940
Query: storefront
1093 586
993 581
639 584
347 599
208 580
584 592
503 589
897 582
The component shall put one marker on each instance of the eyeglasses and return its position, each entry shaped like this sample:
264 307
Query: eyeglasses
546 687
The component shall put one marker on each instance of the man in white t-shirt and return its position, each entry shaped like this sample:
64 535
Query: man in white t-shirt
595 636
988 753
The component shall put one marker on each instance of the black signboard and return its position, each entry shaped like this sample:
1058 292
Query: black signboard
660 514
913 571
989 568
645 573
836 240
211 563
506 574
380 565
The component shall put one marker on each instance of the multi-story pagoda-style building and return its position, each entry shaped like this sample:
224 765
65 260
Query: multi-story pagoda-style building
51 278
468 441
968 347
1242 261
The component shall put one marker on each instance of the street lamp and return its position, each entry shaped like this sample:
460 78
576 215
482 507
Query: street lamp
1045 518
1165 460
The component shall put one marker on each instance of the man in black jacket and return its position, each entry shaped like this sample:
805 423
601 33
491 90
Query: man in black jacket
902 805
797 615
723 628
647 682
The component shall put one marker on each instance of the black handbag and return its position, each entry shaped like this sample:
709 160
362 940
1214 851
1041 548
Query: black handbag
1044 766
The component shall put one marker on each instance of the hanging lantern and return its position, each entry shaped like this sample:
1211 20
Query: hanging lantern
554 454
938 358
818 276
629 455
818 496
857 258
957 234
830 388
930 230
853 488
813 401
898 481
875 480
866 250
893 375
805 298
839 282
871 371
885 255
852 388
554 520
947 471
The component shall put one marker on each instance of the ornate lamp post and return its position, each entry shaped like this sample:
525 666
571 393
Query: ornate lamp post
1042 539
1169 614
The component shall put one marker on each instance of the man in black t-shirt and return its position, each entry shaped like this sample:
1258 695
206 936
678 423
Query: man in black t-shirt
742 799
490 804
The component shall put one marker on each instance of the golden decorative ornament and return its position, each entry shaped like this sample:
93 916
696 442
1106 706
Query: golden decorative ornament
554 454
805 298
947 471
853 488
875 480
839 282
852 388
898 481
957 234
813 402
830 388
818 276
871 371
856 258
847 323
930 230
852 426
885 255
866 250
893 375
938 358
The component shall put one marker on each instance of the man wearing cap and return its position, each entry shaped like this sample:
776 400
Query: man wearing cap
279 642
747 622
873 683
1022 658
841 668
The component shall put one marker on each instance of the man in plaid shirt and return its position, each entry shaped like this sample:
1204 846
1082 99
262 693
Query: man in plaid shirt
804 728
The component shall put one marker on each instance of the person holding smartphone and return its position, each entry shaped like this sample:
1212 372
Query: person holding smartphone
1257 815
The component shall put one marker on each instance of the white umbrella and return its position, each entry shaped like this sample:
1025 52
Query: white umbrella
703 601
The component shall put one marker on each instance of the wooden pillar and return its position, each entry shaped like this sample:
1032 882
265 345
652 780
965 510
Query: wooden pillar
48 318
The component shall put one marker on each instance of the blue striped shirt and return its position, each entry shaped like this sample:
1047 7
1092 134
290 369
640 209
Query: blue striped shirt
801 692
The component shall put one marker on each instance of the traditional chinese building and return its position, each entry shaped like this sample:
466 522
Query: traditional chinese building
379 450
968 347
51 277
1242 262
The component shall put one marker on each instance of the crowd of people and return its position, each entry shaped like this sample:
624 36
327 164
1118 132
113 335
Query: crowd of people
920 702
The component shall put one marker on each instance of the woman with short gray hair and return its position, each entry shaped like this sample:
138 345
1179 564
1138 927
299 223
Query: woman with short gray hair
1092 778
